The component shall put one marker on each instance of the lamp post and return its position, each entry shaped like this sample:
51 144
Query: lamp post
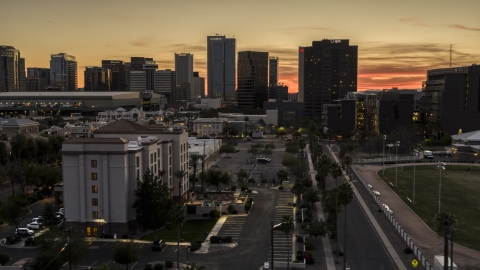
441 166
397 144
452 231
415 154
384 138
273 127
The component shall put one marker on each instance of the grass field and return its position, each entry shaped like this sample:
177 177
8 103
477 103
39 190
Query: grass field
191 230
460 195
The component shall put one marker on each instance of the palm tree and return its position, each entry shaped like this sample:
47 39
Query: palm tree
194 158
180 174
302 144
161 173
345 197
287 228
324 167
282 175
336 171
177 218
445 222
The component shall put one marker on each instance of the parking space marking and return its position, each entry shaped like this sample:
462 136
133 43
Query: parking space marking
93 263
105 245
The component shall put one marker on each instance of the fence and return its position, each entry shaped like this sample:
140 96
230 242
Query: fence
421 258
387 159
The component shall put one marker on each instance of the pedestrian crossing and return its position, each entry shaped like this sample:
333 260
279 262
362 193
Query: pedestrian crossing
280 241
232 227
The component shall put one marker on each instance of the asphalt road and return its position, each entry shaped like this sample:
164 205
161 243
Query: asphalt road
364 248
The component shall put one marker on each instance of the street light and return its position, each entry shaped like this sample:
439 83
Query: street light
397 144
384 138
441 166
415 154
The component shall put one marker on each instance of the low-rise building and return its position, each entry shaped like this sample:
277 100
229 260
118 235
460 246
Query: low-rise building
208 127
287 112
13 126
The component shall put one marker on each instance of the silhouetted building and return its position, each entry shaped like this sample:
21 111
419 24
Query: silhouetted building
119 75
12 70
252 79
150 67
451 100
273 66
38 79
326 71
63 72
278 92
221 67
165 84
340 118
97 79
288 112
182 92
184 72
138 80
198 87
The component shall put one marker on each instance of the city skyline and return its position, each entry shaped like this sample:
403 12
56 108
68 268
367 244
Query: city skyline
397 42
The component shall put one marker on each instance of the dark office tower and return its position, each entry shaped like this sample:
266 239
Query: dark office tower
117 68
326 71
150 67
128 67
451 100
182 92
199 87
221 67
278 92
165 84
97 79
63 72
252 79
136 63
38 79
184 71
273 76
12 70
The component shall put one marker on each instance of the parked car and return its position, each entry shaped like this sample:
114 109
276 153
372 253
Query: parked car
24 232
38 220
34 226
61 210
158 245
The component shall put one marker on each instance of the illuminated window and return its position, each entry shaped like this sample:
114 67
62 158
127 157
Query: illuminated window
95 214
94 176
94 189
95 202
94 163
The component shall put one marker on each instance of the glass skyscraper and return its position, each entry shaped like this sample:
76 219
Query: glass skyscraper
221 67
12 70
252 79
63 72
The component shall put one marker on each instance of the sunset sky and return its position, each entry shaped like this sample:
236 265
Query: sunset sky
397 40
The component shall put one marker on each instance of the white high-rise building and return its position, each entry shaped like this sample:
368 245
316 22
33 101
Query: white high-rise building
221 52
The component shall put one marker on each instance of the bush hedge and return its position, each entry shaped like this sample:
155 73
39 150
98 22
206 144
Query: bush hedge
4 258
148 267
214 214
168 264
309 245
219 239
158 266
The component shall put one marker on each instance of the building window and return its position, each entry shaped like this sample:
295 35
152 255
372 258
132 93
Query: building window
94 176
170 150
95 214
155 156
138 162
151 158
94 189
138 174
94 164
94 201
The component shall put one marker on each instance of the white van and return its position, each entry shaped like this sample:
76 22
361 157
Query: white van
428 154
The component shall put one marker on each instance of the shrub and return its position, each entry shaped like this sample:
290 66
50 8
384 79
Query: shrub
224 213
11 240
214 214
407 250
280 188
29 241
308 256
168 264
234 188
308 219
125 236
148 267
299 239
243 188
158 266
4 258
309 246
251 180
215 239
299 252
227 239
264 181
234 212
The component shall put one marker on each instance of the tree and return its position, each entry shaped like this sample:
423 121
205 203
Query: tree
49 217
227 148
311 195
292 147
348 162
444 225
336 171
298 189
246 119
125 253
282 175
345 197
330 205
216 177
152 202
3 153
194 158
77 247
324 167
254 151
290 161
262 123
180 174
302 144
287 228
317 228
177 218
161 173
12 211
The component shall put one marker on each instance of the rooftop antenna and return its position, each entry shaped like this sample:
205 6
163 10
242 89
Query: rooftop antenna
450 55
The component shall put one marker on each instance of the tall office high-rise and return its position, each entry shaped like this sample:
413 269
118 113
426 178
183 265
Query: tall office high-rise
150 67
199 87
117 69
221 53
97 79
165 84
252 79
273 67
326 71
63 72
184 73
38 79
12 70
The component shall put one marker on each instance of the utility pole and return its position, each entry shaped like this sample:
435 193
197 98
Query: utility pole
271 236
69 251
